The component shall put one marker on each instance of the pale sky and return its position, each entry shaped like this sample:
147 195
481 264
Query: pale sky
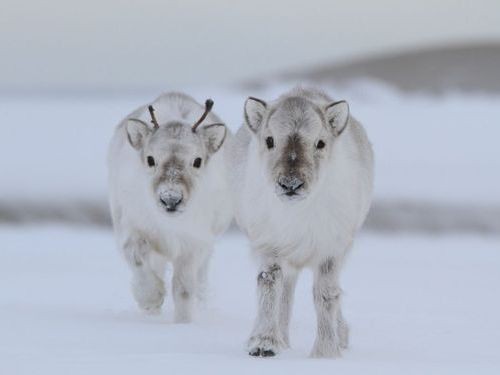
151 43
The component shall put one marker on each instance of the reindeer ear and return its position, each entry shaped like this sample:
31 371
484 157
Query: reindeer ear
254 112
137 131
337 115
213 136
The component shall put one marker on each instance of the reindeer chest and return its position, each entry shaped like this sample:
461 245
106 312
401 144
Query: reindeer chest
301 237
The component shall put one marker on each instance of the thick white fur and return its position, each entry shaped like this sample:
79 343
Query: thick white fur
149 236
315 232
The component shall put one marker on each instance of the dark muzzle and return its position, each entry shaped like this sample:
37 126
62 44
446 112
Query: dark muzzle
171 200
290 184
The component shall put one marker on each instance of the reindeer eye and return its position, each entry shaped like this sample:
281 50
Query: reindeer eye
270 142
151 161
197 163
320 144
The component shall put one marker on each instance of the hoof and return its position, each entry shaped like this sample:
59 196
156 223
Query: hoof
267 353
264 345
258 352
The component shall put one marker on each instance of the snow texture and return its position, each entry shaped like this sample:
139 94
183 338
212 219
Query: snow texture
416 305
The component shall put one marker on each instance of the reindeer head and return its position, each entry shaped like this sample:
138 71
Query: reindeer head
175 155
295 137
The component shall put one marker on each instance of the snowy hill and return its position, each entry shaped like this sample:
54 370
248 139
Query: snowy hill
440 69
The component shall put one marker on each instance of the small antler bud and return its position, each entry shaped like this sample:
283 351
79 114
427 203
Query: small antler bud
153 117
209 103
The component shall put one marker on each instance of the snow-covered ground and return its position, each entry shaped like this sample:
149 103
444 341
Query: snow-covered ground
416 305
428 148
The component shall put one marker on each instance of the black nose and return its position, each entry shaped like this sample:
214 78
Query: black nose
170 202
290 184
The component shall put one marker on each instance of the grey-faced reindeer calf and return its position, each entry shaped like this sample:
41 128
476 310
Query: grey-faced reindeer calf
302 175
168 197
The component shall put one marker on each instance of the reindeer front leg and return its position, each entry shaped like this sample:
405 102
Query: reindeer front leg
202 277
147 286
332 331
184 285
266 338
289 283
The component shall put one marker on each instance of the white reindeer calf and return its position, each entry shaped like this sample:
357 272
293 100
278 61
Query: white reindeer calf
169 197
302 175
